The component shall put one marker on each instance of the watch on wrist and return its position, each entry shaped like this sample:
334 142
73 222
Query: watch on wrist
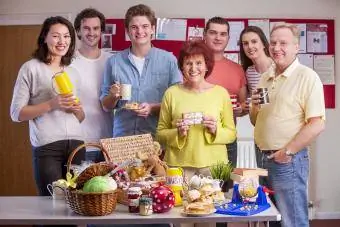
289 152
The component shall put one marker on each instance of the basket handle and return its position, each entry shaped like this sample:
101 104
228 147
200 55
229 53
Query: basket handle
70 158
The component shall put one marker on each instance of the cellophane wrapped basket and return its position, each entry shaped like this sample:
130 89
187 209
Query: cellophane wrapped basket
91 203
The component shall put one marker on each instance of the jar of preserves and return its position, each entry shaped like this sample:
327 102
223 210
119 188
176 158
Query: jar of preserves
134 194
145 206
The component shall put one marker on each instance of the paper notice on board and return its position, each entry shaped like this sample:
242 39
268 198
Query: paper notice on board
171 29
317 38
127 38
303 37
233 57
261 23
234 34
273 24
110 29
324 66
195 33
306 59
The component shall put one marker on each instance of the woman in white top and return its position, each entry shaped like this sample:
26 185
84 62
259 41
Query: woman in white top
54 119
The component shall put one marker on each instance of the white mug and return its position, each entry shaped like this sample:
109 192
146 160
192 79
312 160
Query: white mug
216 184
206 180
195 182
125 91
56 191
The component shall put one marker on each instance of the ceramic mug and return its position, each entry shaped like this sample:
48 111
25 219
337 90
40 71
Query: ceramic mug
264 96
216 184
195 182
56 191
206 180
125 91
233 99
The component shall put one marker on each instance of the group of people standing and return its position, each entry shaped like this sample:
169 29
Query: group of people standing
201 80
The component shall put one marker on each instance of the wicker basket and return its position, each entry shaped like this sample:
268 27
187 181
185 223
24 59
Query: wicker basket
120 149
89 203
122 196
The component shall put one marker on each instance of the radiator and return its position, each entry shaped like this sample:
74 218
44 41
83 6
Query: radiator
246 157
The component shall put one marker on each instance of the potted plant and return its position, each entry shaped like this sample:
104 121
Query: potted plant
222 171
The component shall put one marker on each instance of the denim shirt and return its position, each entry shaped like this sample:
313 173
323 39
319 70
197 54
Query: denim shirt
160 72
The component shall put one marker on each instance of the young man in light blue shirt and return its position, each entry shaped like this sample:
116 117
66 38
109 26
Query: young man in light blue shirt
149 70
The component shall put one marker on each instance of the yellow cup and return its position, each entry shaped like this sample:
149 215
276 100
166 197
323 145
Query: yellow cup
64 84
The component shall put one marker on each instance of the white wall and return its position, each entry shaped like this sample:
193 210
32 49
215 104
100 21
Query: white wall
325 178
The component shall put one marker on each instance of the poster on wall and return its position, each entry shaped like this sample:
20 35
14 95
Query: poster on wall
235 30
233 57
317 38
261 23
171 29
110 29
324 66
303 37
307 60
195 33
106 42
275 23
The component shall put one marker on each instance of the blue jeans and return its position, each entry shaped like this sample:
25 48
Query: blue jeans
49 162
95 156
232 153
289 182
131 225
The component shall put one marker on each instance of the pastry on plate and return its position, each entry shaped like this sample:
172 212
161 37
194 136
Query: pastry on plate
199 208
218 196
207 190
193 195
131 106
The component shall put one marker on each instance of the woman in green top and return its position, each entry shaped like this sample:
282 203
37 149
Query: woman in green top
196 117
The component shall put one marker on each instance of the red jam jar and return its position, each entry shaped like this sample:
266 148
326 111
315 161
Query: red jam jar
134 194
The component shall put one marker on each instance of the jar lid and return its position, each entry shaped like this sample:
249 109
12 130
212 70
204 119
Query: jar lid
145 200
134 189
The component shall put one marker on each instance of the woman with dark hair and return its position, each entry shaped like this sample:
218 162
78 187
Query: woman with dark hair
196 117
54 119
254 54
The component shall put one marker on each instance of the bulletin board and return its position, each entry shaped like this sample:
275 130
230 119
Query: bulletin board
119 40
317 47
317 42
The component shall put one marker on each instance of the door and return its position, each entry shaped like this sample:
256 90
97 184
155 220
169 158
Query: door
17 45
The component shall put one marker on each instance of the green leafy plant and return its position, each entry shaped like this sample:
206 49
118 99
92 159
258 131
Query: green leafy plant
221 171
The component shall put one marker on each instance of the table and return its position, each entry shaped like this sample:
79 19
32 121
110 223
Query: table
20 210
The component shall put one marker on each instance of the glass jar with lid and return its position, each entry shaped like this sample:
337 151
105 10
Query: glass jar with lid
134 194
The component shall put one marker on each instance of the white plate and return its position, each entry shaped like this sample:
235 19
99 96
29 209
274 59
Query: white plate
197 214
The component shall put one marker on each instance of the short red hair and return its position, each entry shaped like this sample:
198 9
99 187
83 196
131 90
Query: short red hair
191 48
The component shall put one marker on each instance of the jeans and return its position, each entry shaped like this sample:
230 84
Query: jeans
264 181
232 153
131 225
95 156
289 182
232 157
49 162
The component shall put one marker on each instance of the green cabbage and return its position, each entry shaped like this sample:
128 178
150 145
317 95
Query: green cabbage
100 184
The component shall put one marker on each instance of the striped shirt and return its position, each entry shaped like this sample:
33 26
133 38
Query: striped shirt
253 78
